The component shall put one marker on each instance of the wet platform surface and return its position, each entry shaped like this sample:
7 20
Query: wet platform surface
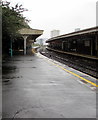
35 88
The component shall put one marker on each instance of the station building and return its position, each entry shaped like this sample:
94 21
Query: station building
83 42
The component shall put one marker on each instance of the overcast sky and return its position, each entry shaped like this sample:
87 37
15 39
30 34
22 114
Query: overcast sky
63 15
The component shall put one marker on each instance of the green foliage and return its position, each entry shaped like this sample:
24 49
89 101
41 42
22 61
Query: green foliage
12 21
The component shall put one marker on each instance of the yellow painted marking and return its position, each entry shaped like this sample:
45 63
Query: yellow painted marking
88 81
75 74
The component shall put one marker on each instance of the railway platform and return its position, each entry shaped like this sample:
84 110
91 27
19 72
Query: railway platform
38 87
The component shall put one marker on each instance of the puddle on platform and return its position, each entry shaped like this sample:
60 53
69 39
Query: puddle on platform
28 67
13 77
8 69
7 82
33 67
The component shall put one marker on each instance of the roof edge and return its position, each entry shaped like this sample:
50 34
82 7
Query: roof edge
72 33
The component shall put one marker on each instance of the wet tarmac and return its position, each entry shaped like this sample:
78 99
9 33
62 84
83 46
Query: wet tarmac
34 88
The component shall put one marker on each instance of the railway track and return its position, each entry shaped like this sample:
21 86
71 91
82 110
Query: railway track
83 64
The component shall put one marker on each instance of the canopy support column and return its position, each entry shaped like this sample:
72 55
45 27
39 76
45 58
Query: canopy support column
25 38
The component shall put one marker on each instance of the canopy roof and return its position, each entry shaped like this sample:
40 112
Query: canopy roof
31 33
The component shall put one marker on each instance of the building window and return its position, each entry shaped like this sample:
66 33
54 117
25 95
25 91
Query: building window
87 43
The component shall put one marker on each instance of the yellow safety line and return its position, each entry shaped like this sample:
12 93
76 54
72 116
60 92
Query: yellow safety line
75 74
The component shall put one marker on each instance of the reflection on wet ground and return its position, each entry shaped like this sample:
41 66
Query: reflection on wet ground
8 69
12 66
33 88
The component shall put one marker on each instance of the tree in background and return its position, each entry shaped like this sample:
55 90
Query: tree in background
12 21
